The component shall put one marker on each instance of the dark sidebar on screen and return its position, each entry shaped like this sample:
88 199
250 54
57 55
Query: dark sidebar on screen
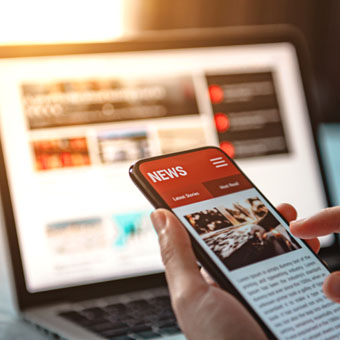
247 114
248 240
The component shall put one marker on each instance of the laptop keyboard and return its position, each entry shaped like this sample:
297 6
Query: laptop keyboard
137 319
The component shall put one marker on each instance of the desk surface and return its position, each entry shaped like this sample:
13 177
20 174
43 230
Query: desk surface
12 327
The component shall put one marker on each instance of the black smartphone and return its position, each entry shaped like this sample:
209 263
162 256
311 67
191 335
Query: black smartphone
242 241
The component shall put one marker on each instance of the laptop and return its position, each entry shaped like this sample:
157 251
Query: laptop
84 256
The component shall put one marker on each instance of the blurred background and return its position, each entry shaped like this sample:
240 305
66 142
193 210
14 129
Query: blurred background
40 21
65 21
318 21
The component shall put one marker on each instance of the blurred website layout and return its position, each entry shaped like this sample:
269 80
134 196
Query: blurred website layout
72 125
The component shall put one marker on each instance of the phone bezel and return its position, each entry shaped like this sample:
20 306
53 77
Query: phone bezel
156 200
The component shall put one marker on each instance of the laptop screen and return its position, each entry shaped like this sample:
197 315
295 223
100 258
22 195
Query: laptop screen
72 125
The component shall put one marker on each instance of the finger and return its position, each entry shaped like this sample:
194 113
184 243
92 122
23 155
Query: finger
331 287
290 214
323 223
208 279
287 211
314 243
181 268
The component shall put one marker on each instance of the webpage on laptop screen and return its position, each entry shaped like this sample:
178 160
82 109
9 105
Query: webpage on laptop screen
72 125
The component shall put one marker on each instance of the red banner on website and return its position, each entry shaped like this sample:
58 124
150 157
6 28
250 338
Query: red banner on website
193 177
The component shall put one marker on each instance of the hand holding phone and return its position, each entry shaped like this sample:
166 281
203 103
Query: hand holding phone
242 241
203 310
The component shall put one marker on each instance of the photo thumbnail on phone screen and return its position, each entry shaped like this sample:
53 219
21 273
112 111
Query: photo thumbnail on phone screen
242 232
248 240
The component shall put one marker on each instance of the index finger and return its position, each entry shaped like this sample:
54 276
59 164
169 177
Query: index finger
323 223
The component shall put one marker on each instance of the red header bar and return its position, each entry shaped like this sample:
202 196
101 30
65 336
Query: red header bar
191 177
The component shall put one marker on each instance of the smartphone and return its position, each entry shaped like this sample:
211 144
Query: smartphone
242 241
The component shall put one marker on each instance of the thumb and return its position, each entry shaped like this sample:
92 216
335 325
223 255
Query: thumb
331 287
180 263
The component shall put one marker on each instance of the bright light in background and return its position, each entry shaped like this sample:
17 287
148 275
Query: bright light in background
46 21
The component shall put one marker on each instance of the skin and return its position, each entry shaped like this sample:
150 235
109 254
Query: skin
323 223
203 310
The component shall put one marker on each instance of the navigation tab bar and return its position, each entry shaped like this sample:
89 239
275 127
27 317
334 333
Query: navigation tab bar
227 185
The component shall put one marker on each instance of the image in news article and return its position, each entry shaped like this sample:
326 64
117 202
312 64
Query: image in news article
242 233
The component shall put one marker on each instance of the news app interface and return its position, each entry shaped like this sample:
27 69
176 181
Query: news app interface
276 273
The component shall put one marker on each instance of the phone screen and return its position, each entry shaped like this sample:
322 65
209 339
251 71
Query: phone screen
276 273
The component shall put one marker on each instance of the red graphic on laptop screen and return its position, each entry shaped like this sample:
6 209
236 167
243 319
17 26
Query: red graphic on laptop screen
193 177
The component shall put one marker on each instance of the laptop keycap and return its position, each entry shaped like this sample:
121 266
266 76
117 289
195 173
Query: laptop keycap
76 318
94 313
109 333
106 326
138 319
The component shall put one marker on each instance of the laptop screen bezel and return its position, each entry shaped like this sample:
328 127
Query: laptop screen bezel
144 42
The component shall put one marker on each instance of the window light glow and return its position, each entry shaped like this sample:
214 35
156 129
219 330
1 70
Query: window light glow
62 21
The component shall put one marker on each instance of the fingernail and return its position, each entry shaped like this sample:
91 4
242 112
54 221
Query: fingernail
158 219
333 286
